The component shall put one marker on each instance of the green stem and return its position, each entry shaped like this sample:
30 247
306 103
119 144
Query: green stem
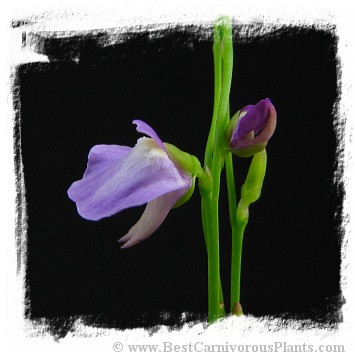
217 57
237 234
250 193
215 298
237 245
210 223
232 199
214 156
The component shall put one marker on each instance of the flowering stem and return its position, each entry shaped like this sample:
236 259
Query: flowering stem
215 296
217 95
237 234
214 157
250 193
237 244
210 210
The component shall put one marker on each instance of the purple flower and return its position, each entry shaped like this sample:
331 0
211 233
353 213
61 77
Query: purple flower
119 177
251 128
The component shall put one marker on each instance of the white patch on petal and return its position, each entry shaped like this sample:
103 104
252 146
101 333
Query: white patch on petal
149 148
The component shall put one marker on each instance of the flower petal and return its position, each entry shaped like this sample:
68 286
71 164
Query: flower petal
144 128
102 157
152 217
137 177
255 119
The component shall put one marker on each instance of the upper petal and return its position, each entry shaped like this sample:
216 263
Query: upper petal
137 177
144 128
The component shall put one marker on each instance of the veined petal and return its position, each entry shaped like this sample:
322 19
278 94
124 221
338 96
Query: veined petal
144 128
152 217
101 157
137 177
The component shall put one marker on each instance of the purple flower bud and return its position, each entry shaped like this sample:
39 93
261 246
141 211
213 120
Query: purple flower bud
251 128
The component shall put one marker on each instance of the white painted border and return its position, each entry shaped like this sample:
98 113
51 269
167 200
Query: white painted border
77 16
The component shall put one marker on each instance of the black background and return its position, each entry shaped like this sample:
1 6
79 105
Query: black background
89 94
